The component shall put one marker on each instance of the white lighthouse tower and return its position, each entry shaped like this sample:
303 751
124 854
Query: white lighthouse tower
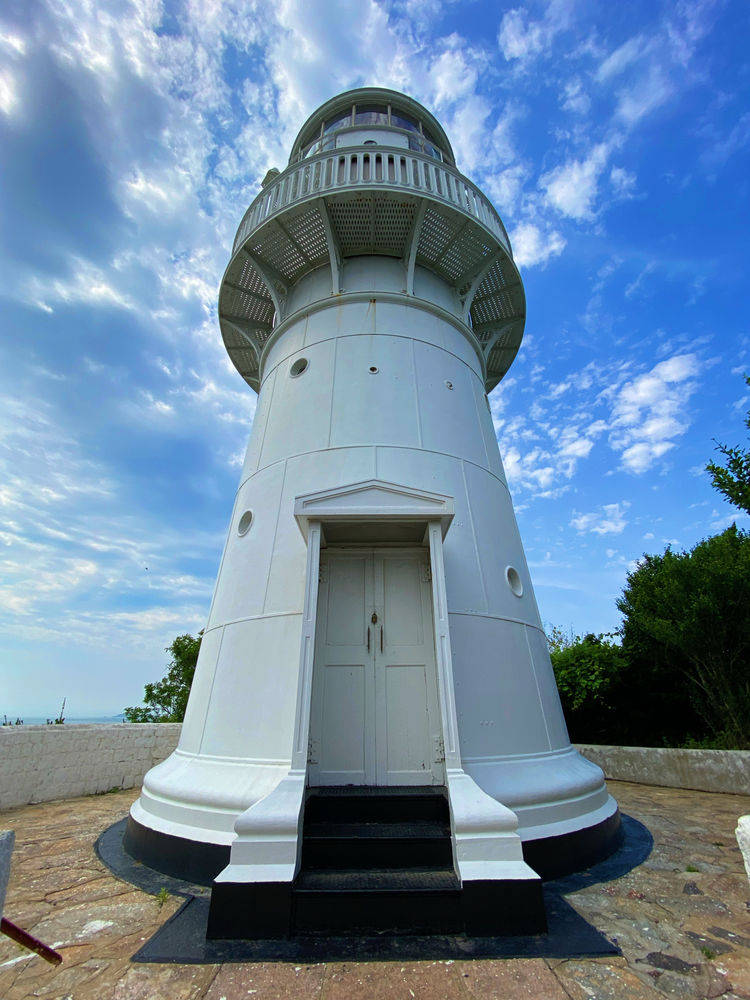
373 648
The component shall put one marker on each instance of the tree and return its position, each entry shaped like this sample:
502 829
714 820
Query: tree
733 478
590 675
166 700
687 620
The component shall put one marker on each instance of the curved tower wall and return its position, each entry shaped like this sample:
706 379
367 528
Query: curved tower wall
421 420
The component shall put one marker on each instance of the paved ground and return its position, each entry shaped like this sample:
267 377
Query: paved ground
682 920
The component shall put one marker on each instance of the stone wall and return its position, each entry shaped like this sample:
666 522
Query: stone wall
703 770
41 763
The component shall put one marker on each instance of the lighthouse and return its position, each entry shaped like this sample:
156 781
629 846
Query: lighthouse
374 732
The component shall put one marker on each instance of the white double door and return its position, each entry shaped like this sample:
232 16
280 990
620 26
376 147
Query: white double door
374 712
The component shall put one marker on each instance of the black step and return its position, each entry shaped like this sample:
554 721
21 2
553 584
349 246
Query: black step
379 901
386 880
376 845
359 804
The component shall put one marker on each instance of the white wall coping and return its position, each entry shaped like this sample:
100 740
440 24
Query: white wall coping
39 763
672 767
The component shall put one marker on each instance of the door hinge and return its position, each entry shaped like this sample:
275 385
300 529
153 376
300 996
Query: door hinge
426 573
312 756
322 572
439 750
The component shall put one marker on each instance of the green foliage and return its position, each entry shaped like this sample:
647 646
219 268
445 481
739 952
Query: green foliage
590 674
162 896
686 628
166 700
733 478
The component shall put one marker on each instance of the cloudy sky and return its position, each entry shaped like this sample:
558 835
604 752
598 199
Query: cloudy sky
612 138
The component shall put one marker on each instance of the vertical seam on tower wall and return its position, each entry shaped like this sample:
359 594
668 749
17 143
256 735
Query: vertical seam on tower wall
333 389
474 534
536 681
416 393
481 429
265 422
224 554
275 532
211 692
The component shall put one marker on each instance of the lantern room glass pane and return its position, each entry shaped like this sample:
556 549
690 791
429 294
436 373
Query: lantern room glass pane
371 114
401 121
341 121
432 150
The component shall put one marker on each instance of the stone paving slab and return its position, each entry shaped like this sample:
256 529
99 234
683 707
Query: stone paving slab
681 919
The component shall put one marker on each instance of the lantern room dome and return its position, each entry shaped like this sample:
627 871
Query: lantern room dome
372 116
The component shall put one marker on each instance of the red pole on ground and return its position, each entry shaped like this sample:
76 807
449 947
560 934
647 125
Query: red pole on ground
22 937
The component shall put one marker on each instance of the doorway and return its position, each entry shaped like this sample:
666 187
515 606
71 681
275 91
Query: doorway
374 713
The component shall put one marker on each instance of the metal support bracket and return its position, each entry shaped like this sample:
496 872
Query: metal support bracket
275 282
334 247
410 259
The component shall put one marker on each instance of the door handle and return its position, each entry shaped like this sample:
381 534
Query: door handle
368 638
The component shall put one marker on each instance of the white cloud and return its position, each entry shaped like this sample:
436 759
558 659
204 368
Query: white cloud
607 520
532 246
572 187
577 100
87 284
522 39
643 96
518 39
622 57
637 283
8 93
12 43
650 412
622 181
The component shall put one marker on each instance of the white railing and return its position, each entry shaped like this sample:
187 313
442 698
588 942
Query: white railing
382 169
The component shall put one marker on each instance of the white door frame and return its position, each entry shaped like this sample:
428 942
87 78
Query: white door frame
268 842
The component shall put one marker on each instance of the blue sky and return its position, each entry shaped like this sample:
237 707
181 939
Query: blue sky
612 138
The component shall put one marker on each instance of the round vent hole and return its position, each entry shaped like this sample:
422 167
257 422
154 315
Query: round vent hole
299 366
374 369
448 384
514 580
245 521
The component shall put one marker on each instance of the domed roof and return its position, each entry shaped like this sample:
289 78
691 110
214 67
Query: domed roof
370 95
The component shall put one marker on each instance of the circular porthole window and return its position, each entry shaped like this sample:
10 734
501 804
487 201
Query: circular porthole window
245 521
299 366
374 369
514 580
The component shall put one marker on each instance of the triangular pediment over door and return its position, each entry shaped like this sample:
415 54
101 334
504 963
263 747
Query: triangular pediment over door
374 501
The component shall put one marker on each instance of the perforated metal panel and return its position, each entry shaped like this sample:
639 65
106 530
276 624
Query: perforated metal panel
306 228
394 219
272 245
354 223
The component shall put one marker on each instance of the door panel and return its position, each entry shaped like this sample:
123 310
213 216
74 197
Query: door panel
374 712
346 602
342 753
342 710
402 605
407 736
408 726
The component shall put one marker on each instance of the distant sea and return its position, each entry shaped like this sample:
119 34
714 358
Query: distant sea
99 720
